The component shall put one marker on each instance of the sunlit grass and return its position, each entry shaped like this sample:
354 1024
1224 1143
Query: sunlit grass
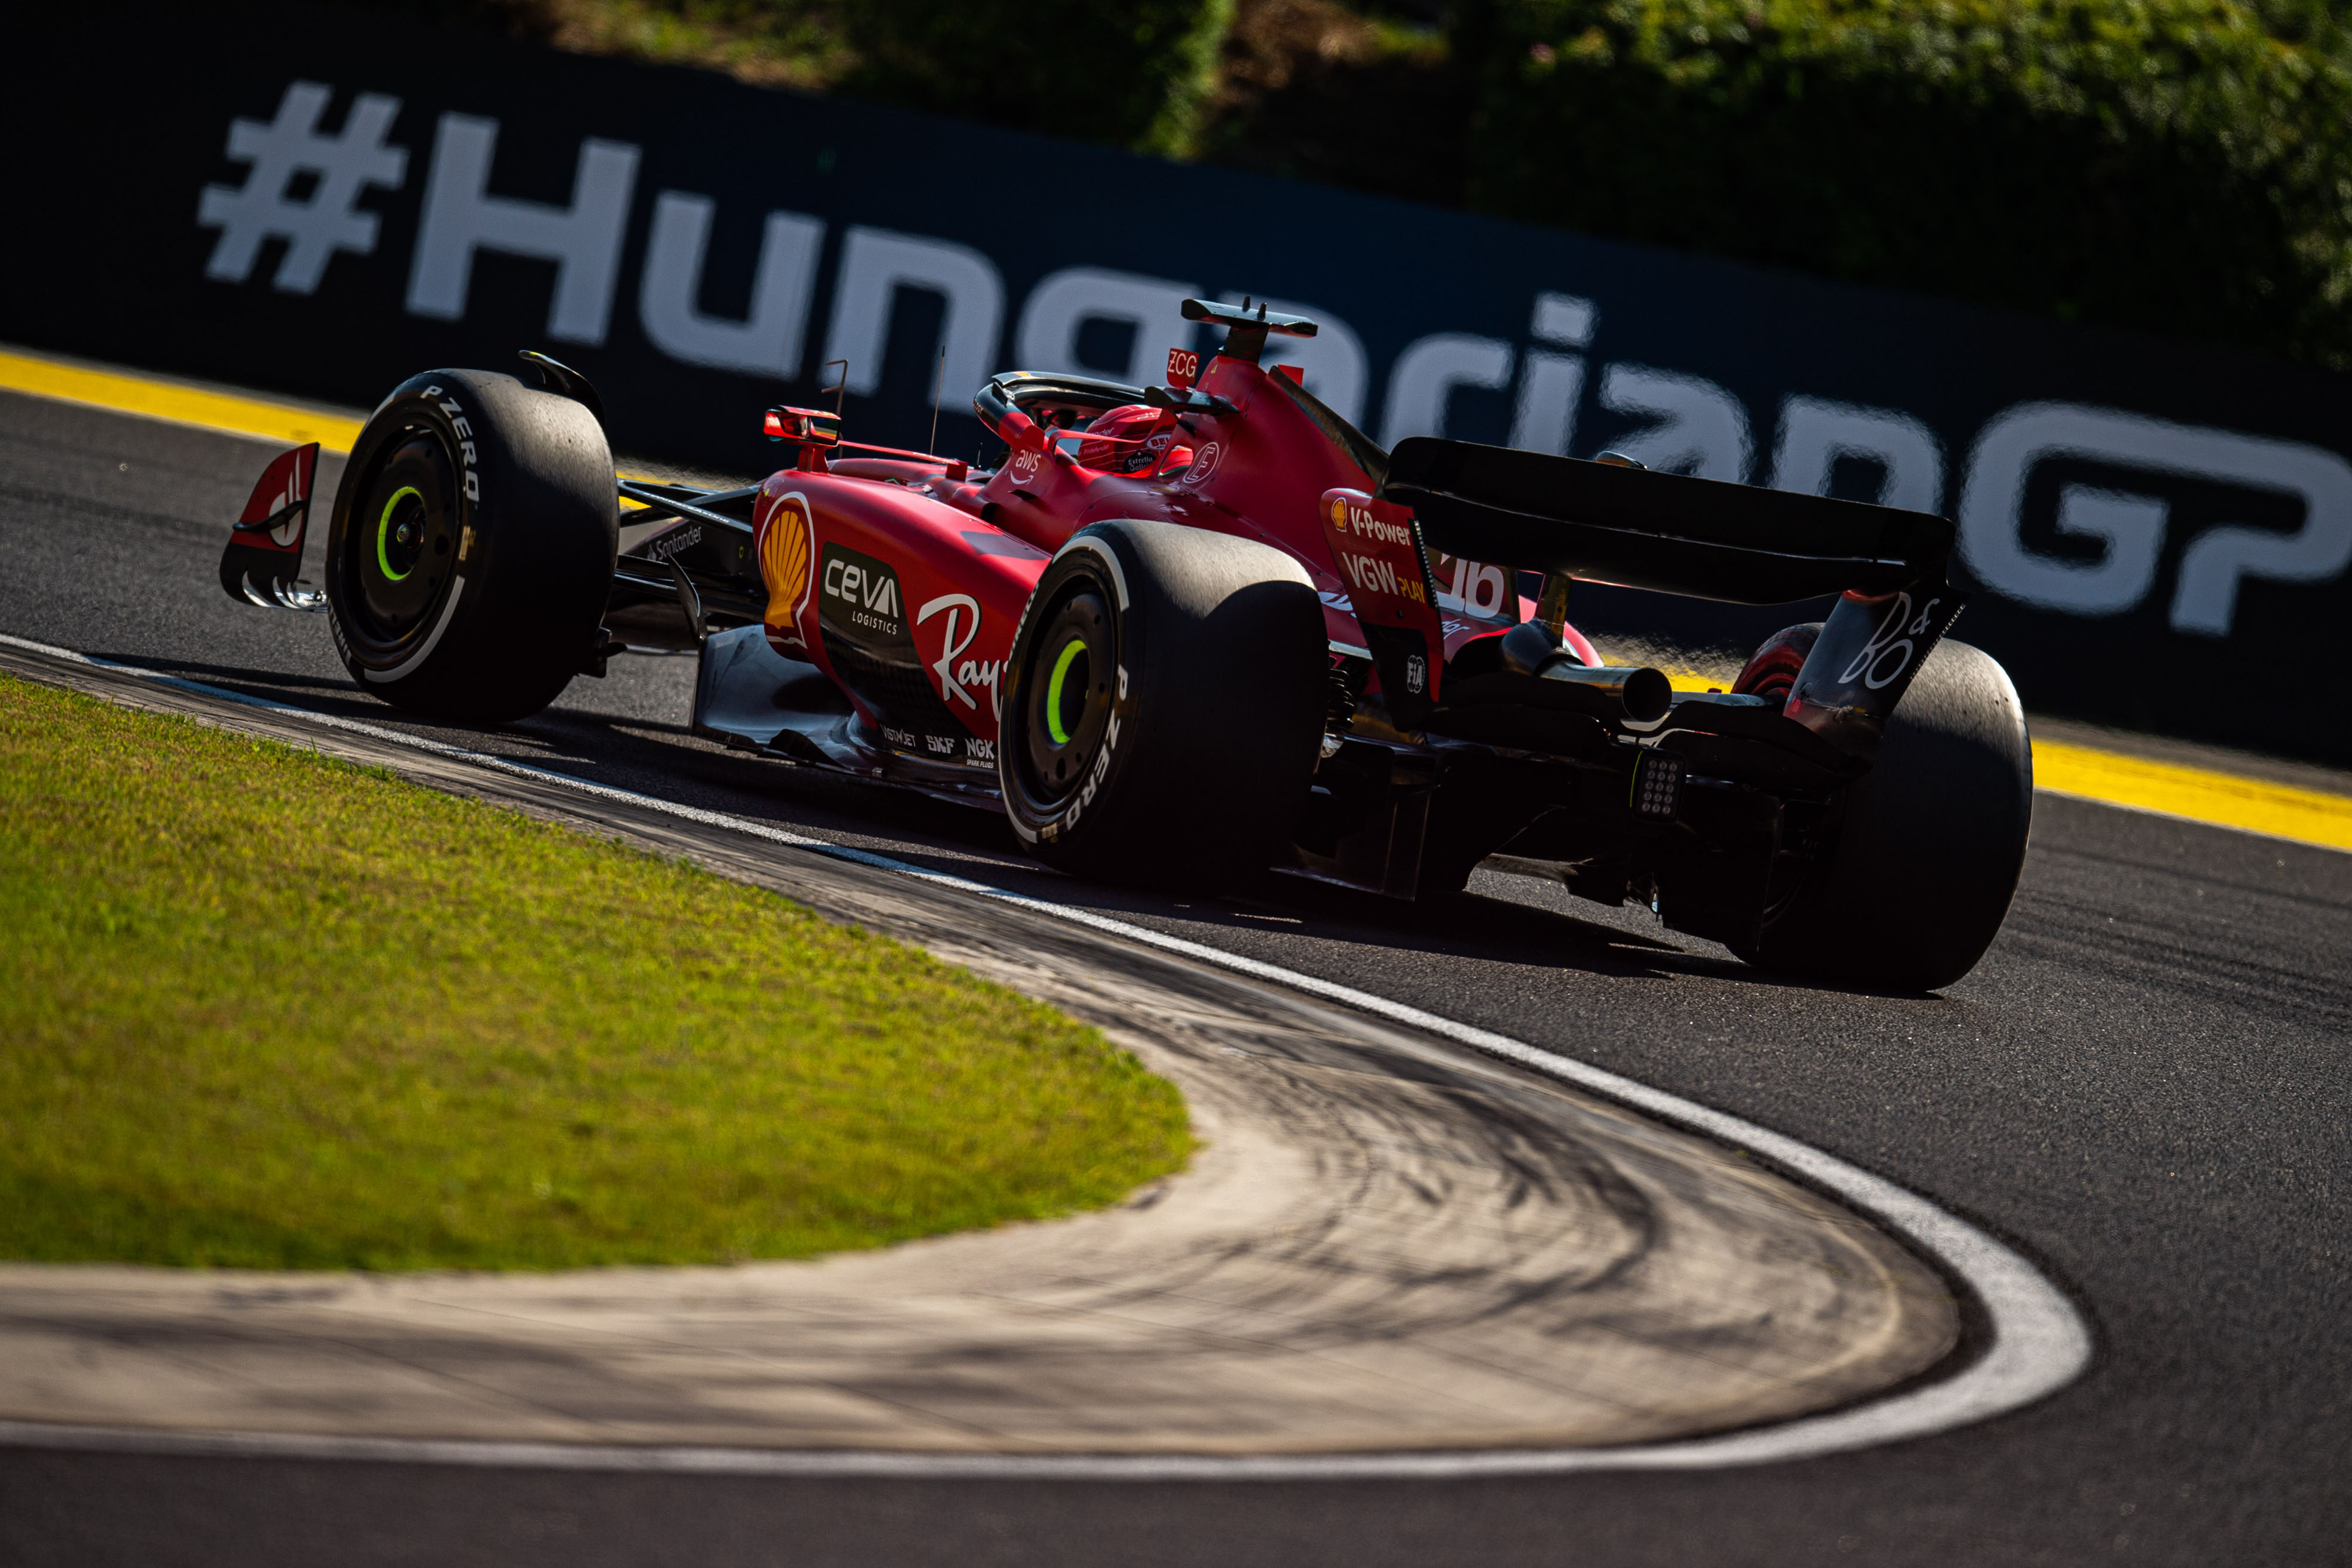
262 1009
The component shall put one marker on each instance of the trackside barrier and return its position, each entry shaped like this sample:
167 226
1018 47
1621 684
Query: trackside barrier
320 203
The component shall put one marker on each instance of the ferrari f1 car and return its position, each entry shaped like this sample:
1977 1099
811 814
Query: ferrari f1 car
1197 630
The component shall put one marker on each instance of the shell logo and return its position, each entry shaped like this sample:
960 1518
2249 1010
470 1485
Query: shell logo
1339 513
785 548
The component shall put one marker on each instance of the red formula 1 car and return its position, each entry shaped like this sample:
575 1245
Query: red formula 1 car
1197 630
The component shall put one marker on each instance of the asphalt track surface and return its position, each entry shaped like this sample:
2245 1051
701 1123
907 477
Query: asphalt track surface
2143 1088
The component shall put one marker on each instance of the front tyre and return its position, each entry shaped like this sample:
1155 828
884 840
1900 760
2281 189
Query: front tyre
1162 708
470 550
1929 843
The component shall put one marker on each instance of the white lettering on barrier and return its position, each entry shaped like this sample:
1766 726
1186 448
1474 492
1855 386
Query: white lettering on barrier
768 341
1551 384
1700 428
1063 303
462 217
329 220
1425 376
1815 432
2205 600
875 265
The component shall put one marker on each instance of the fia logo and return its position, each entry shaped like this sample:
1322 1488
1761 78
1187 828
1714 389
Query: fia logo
1416 673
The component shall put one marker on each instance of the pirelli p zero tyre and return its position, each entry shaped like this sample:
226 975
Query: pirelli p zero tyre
1163 705
470 551
1926 846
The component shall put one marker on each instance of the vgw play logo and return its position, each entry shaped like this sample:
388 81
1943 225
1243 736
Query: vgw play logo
2066 507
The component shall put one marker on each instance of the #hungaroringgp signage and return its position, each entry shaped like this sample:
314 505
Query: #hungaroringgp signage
2156 533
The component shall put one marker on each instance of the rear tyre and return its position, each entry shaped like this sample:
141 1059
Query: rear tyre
1163 705
1772 669
471 547
1928 843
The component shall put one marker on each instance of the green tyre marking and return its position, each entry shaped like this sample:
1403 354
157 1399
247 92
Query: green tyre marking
1070 650
384 530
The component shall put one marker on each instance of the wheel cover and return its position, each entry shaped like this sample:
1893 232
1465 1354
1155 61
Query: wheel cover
401 560
400 534
1060 688
1065 716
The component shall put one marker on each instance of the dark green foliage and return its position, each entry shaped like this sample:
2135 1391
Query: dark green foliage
2173 166
1134 74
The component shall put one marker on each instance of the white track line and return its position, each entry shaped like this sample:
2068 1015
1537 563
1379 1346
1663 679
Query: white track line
2038 1344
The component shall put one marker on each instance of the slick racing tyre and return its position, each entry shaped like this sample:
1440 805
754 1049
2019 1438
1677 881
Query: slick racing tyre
1772 669
1926 846
470 550
1163 705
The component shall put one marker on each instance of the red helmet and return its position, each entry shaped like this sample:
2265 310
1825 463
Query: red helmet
1125 451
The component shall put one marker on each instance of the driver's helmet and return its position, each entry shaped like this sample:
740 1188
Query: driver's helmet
1125 449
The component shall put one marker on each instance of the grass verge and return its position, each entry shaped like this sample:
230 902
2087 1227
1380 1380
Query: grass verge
262 1009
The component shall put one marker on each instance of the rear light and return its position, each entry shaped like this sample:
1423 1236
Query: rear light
1656 791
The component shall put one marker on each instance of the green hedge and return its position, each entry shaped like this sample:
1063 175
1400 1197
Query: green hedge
1135 74
2167 165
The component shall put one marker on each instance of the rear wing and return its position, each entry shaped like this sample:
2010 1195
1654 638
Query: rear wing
1705 538
1668 532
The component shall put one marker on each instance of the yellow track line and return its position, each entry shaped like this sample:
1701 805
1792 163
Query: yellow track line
180 404
2197 794
2168 788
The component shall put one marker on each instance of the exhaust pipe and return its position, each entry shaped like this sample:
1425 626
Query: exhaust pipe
1639 695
